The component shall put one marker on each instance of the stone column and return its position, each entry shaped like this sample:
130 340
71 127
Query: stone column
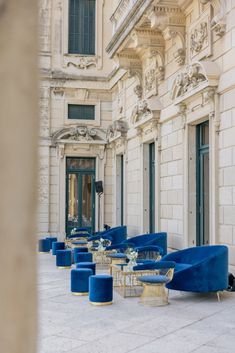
18 163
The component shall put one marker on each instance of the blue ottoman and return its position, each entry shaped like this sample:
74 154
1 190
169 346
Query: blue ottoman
81 249
101 290
80 280
58 245
43 246
90 265
51 240
63 258
83 257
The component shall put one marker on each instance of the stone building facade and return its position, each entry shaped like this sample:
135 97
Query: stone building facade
157 78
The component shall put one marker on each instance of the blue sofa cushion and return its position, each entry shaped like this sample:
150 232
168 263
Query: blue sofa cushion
117 256
154 279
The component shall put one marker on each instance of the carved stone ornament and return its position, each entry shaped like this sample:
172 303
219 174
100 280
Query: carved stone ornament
199 38
160 73
84 62
150 82
58 91
138 90
117 129
208 95
140 111
79 134
204 2
187 80
180 56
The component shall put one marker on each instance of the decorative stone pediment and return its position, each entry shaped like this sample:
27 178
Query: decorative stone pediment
145 112
117 130
195 78
76 134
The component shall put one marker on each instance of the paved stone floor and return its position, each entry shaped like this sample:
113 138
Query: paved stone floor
191 323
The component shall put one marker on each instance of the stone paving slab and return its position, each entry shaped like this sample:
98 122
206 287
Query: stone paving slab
192 323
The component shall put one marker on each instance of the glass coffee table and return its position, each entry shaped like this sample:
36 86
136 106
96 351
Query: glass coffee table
100 256
125 279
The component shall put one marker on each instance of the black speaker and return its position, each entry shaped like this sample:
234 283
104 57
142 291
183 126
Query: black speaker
99 187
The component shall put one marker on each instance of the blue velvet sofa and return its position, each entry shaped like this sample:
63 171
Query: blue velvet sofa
141 242
115 235
200 269
79 233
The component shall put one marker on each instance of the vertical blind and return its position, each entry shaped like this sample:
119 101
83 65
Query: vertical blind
82 27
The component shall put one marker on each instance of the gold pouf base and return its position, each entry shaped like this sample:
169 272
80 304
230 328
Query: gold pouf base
64 267
80 293
101 304
44 252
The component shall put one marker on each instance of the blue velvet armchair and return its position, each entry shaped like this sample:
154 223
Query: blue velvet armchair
115 235
200 269
144 242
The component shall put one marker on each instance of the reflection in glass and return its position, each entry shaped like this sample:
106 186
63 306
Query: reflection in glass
205 134
86 200
72 199
206 197
80 163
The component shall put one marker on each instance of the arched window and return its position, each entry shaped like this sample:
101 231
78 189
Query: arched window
82 27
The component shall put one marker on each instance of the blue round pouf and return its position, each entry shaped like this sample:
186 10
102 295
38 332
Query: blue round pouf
81 249
80 280
44 245
83 257
101 289
91 265
57 245
63 258
51 240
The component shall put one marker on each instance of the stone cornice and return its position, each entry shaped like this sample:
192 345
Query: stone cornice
131 19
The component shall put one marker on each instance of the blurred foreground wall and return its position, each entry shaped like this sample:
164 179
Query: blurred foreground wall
18 162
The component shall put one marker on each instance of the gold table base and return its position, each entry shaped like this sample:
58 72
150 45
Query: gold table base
125 281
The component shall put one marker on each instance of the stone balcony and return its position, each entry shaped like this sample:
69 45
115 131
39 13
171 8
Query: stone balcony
123 9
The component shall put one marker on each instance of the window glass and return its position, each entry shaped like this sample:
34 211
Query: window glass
82 27
86 112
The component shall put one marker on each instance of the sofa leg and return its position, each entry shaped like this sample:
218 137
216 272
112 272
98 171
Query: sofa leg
218 296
